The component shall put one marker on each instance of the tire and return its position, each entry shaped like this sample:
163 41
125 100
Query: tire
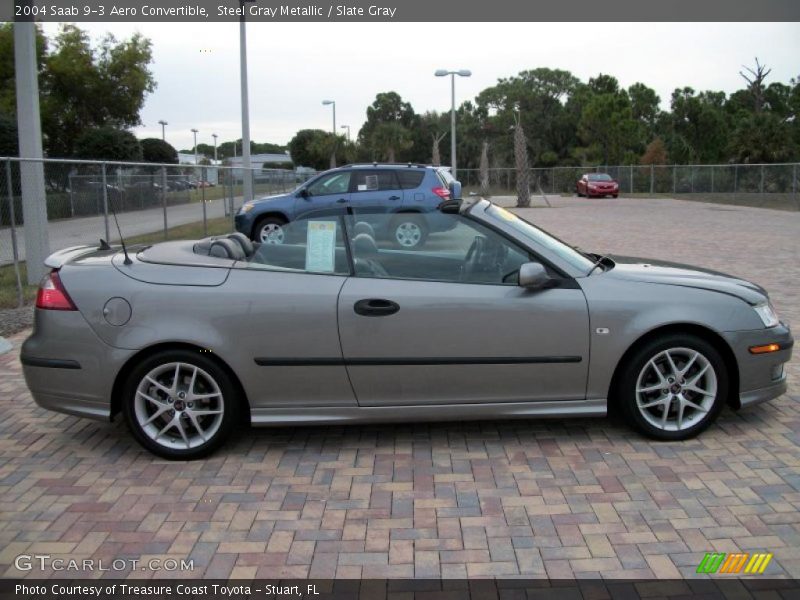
269 230
578 192
615 196
643 395
408 231
150 397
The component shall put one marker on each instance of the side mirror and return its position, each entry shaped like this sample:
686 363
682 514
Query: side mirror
455 190
303 193
532 275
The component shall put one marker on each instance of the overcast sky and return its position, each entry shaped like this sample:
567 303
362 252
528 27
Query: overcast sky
294 66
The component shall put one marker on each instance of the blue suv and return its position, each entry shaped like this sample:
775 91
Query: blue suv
412 191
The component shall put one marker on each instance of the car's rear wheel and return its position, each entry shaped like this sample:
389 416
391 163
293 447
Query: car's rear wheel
673 387
180 404
408 231
270 230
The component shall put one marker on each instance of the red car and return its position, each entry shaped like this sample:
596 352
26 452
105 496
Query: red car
597 185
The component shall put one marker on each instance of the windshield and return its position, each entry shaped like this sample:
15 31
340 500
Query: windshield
599 177
541 237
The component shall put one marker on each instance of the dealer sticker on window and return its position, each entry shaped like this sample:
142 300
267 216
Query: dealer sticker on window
321 246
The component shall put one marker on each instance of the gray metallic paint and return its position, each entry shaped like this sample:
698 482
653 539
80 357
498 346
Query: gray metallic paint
239 314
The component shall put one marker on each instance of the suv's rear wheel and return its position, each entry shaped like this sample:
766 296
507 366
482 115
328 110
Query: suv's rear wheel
269 230
409 231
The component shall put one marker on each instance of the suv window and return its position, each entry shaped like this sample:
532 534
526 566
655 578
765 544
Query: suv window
333 183
462 251
313 245
374 180
410 179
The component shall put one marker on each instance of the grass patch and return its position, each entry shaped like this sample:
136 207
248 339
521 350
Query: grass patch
190 231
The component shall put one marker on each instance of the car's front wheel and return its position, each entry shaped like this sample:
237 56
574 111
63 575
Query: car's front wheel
409 231
270 230
673 387
179 404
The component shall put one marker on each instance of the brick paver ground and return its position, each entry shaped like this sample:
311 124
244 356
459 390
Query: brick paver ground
573 498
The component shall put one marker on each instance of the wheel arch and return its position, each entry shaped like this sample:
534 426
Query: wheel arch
130 364
260 218
705 333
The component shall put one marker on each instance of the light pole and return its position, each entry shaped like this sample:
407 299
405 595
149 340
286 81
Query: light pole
460 73
163 124
246 174
214 135
29 127
348 131
195 132
333 104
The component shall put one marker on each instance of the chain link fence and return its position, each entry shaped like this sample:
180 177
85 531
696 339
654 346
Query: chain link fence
152 202
159 202
771 186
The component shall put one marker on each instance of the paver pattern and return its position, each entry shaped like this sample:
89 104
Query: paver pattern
571 498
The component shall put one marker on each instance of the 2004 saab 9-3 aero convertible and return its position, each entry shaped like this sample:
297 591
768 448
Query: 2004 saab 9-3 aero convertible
493 318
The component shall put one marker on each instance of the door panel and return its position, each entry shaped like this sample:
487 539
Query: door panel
284 339
456 343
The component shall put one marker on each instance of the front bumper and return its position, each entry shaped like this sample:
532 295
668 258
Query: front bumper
244 222
762 377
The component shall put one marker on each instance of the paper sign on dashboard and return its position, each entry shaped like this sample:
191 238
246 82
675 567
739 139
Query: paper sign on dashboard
321 246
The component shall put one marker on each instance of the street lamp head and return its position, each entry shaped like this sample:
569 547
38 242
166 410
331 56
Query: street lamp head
195 131
464 72
327 102
163 122
214 135
442 72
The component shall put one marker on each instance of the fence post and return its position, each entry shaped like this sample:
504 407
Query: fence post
105 202
761 187
164 197
554 180
631 180
652 179
794 184
735 178
14 249
712 178
205 218
71 194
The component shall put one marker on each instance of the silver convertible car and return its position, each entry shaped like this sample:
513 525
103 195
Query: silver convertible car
493 318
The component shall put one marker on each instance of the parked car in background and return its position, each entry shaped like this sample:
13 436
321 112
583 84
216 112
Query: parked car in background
493 319
597 185
410 192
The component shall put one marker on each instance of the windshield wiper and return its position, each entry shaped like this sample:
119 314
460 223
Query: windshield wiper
597 263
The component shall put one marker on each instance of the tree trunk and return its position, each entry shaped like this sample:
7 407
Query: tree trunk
484 169
522 168
391 154
436 157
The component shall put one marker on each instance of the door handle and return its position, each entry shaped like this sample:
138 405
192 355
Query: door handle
342 200
375 307
394 197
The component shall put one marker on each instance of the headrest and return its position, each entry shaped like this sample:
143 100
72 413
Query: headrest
243 241
226 248
203 246
364 245
364 227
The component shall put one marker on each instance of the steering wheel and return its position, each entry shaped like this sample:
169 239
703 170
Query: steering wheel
472 260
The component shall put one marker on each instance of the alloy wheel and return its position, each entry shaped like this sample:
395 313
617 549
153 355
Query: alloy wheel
676 389
271 233
179 406
408 234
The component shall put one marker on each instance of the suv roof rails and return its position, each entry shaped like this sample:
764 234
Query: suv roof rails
390 164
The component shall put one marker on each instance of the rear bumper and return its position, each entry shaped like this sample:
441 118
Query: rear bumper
67 367
762 377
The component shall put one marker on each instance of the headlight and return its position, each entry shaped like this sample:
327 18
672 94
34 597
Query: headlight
767 314
246 207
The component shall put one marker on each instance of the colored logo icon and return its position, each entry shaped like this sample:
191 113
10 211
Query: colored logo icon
734 563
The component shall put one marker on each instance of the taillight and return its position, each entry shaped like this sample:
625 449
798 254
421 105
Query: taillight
52 295
442 192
